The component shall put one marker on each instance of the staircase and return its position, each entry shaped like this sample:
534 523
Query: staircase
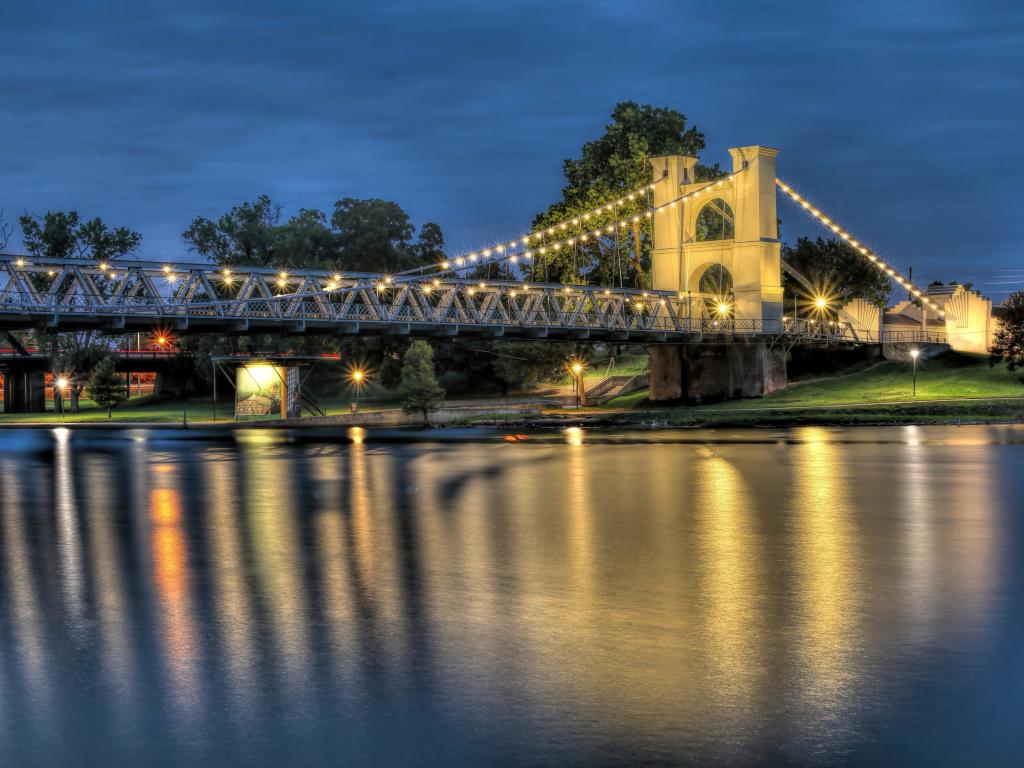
311 404
603 390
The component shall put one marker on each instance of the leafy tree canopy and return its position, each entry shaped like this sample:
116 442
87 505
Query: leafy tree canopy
836 269
360 236
609 166
419 389
1008 344
63 234
106 388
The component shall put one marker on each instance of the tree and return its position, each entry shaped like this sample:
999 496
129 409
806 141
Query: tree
105 387
244 235
373 235
836 270
63 234
523 364
429 249
614 164
1008 344
419 389
6 230
361 236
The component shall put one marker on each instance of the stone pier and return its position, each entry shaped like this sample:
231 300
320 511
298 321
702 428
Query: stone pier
703 373
24 391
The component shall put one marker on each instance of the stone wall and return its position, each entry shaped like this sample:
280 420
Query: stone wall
701 373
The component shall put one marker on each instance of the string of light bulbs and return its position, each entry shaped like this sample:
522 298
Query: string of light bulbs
515 248
878 262
500 248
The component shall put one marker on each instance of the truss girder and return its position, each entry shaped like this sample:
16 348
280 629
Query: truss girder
63 292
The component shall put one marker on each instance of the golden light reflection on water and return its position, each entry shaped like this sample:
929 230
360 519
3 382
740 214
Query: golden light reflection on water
232 595
828 578
114 625
270 498
697 593
69 543
728 607
168 549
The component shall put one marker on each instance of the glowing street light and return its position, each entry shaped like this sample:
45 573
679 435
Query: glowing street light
62 384
358 377
913 354
576 367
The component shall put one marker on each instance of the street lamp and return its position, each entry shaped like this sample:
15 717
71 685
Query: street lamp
357 376
62 384
913 354
576 368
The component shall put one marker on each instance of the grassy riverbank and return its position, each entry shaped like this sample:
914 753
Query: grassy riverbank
955 388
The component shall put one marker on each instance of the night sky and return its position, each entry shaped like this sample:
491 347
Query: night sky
902 120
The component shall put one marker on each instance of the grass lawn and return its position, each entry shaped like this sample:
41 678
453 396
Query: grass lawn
164 412
951 376
625 365
168 411
876 394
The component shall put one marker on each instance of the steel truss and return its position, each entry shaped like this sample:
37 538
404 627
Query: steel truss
69 294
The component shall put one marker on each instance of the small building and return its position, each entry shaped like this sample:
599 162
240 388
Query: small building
968 322
267 386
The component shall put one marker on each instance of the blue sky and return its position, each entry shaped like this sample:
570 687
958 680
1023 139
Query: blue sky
902 119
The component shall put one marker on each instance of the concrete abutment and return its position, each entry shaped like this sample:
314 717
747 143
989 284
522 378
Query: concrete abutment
702 373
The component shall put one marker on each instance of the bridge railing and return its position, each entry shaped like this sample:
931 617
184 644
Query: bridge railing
82 293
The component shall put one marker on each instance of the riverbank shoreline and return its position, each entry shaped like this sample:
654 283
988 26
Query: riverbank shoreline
1005 411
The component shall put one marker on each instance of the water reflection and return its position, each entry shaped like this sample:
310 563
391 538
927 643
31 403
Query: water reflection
829 589
171 577
540 601
728 596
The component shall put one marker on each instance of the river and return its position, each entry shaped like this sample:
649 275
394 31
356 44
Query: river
805 597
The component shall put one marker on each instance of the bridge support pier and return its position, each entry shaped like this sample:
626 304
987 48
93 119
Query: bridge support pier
701 373
24 392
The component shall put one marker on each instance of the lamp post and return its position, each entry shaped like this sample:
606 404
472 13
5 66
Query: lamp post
61 384
357 376
577 369
913 354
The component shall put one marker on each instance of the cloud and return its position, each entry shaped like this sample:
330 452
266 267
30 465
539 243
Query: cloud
901 123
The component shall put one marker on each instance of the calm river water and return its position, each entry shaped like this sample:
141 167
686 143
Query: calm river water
811 596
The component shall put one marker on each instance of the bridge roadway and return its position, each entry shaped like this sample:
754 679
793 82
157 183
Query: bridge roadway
128 296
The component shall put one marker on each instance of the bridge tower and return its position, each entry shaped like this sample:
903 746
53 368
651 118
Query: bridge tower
721 246
726 240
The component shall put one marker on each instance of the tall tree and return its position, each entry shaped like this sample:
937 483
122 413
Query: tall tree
837 271
244 235
106 388
419 389
1008 344
373 235
63 234
611 165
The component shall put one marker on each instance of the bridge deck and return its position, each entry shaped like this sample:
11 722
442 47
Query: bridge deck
69 294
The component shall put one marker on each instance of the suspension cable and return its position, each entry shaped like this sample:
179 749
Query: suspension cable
880 264
517 250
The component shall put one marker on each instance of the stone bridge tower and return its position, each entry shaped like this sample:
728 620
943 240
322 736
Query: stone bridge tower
726 239
721 246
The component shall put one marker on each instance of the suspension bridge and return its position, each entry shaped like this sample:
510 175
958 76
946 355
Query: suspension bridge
716 282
